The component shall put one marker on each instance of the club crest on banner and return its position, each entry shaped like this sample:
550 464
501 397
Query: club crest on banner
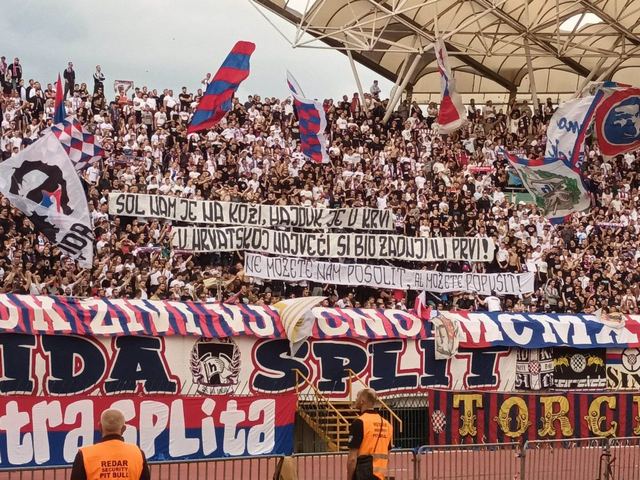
445 331
215 366
584 369
631 359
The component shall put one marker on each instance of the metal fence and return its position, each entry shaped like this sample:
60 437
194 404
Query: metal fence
576 459
496 461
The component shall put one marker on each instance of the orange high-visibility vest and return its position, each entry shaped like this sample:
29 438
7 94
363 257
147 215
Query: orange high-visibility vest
376 437
111 460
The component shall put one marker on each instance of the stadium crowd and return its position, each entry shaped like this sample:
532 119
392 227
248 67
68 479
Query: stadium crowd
456 185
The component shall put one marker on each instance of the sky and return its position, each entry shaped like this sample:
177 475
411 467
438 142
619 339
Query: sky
167 44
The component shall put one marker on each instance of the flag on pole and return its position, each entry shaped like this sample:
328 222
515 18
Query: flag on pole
556 188
568 129
216 101
59 113
80 145
41 182
452 114
312 123
297 319
421 308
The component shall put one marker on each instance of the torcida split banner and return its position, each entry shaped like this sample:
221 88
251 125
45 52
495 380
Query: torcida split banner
295 269
71 365
491 417
213 212
47 431
333 245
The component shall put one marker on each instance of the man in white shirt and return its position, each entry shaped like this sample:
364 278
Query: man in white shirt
492 302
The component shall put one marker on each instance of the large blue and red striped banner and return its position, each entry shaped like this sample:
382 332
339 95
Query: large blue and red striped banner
33 314
312 123
492 417
45 431
216 101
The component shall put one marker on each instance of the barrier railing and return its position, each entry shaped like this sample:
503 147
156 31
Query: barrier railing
333 466
575 459
493 461
622 458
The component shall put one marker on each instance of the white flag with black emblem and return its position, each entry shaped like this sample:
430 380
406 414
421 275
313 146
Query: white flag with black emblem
42 182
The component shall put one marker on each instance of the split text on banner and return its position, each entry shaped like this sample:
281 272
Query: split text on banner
48 431
333 245
231 213
294 269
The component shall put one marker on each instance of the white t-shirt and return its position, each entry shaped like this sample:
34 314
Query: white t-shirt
493 304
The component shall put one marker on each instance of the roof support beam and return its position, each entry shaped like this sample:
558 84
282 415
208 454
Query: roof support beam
632 37
520 28
476 65
292 18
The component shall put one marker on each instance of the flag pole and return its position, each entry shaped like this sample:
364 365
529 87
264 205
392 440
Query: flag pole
363 104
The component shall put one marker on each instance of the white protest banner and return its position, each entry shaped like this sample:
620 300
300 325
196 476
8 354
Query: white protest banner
382 276
332 245
247 214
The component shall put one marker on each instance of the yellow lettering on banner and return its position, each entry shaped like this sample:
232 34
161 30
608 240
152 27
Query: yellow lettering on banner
468 418
636 429
522 418
549 417
595 420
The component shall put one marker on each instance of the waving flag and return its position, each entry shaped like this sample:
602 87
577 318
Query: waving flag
297 319
59 113
452 114
41 182
216 101
568 128
312 123
80 145
556 188
617 123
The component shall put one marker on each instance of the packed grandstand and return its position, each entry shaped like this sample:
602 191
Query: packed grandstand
459 185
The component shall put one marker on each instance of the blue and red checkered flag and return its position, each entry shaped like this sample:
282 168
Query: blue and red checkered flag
216 101
80 145
60 113
312 123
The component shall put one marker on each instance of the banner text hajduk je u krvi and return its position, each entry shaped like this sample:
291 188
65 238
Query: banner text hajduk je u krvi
296 269
231 213
49 430
333 245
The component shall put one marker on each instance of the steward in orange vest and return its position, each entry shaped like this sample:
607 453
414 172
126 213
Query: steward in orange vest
370 438
111 458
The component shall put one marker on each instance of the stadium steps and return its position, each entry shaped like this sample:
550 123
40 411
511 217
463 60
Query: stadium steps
330 419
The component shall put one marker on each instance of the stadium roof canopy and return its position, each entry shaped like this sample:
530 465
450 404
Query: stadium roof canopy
490 42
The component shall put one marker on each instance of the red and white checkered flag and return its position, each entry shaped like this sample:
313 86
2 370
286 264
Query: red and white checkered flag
80 145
